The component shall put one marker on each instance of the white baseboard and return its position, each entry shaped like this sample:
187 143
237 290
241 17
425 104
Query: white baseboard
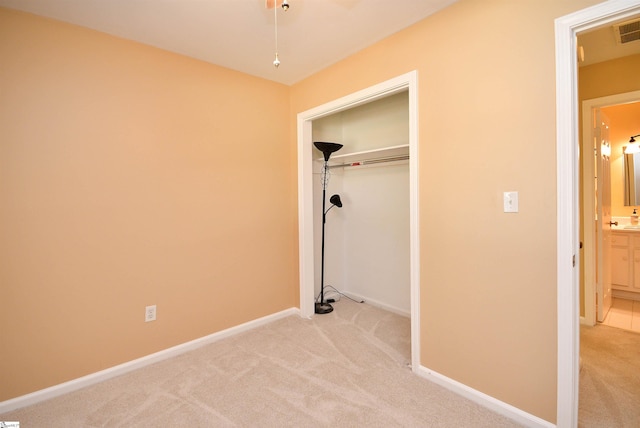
500 407
101 376
623 294
358 297
583 321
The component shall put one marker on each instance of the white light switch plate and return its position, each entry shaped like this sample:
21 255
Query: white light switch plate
511 202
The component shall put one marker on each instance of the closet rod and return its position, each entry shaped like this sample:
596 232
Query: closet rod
371 161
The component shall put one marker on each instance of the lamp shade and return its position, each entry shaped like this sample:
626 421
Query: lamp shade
632 148
335 200
327 148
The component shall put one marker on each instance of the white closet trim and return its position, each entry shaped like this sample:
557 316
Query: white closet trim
405 82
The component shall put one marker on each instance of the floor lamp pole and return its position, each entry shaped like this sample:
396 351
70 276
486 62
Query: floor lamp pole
326 148
323 307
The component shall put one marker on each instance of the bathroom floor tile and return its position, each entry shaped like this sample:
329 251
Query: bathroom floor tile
618 319
624 314
635 318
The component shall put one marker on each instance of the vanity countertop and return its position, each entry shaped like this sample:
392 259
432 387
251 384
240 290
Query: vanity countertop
624 225
627 228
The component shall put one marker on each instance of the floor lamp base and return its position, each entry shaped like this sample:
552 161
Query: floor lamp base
323 308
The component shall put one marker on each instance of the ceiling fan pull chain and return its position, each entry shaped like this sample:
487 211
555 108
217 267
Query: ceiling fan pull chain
276 62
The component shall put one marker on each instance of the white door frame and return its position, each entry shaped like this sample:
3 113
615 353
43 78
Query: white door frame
401 83
588 192
568 208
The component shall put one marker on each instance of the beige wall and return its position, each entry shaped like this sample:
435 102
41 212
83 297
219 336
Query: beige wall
486 78
125 192
130 176
609 78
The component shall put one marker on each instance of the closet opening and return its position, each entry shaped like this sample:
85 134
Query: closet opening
367 241
372 241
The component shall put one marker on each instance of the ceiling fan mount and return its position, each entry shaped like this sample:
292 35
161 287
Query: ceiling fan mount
270 4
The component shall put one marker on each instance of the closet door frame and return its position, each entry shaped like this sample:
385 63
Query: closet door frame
406 82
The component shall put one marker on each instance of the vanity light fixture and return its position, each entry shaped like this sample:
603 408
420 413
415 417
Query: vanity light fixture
632 147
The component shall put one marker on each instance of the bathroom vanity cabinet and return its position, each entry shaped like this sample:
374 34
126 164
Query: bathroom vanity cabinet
625 261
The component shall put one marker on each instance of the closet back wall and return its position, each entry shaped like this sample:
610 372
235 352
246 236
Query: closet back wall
367 240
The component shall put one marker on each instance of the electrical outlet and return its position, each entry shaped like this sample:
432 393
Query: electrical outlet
150 313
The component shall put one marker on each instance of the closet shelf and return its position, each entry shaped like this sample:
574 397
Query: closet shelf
370 155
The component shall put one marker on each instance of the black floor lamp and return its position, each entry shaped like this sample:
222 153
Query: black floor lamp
323 307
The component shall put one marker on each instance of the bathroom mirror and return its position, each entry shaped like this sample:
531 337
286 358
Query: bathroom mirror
631 179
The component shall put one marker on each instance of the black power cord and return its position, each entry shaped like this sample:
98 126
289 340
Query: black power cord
340 293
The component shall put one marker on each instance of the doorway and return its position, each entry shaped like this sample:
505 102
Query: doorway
591 258
568 208
406 82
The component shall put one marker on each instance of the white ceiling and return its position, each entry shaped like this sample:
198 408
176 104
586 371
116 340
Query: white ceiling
239 34
600 44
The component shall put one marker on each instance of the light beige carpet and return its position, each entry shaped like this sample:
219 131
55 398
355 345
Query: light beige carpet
609 378
344 369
